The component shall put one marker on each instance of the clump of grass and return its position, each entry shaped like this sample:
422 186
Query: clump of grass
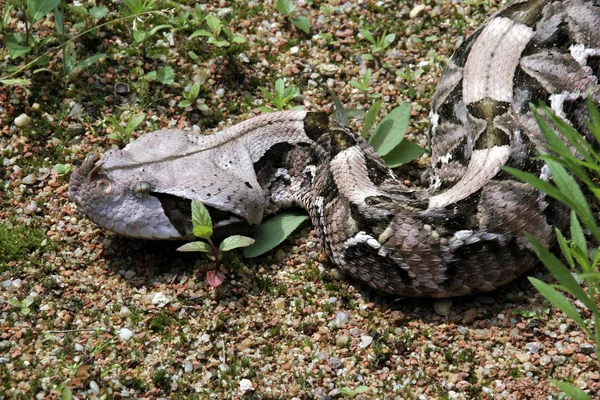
18 242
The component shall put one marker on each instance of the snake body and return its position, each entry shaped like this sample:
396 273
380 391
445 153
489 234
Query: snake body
463 234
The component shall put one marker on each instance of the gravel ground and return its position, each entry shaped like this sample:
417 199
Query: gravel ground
117 318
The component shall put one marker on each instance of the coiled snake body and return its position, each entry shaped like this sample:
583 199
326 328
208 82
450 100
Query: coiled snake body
463 234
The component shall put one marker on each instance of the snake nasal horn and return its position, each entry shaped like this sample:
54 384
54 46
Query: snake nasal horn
88 164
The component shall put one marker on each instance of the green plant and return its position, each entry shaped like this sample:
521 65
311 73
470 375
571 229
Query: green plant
203 229
137 7
121 133
190 94
287 8
388 137
165 75
218 35
274 231
364 84
346 391
282 96
409 76
24 305
62 169
379 45
579 257
23 44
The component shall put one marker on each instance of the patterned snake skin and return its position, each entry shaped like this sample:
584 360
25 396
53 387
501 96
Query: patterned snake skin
461 235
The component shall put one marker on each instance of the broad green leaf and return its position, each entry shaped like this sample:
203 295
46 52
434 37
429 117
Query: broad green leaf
25 310
214 24
285 6
561 273
194 90
340 111
38 9
361 389
200 215
139 36
564 248
577 235
388 39
279 88
367 35
195 246
28 301
355 113
274 231
184 103
238 39
391 130
59 23
235 241
160 27
302 23
200 32
89 62
370 118
69 58
203 232
405 152
559 301
367 57
166 75
15 303
134 122
98 12
15 50
23 82
67 394
573 392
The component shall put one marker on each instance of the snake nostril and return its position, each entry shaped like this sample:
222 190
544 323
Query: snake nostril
104 185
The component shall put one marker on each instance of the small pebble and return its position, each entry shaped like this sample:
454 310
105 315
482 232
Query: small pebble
188 367
125 333
470 316
342 340
160 300
22 120
442 307
533 347
246 385
417 11
29 179
341 319
365 341
124 312
94 388
337 274
586 348
334 363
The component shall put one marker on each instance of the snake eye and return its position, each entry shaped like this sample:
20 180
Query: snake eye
104 185
141 190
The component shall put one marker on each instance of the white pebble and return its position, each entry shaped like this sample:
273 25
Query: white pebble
125 333
365 341
29 179
94 388
160 300
220 93
22 120
124 312
246 385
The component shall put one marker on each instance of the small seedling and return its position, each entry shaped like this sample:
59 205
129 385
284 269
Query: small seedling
203 229
137 7
63 169
24 305
346 391
165 75
379 44
409 76
283 95
287 8
190 94
218 35
364 84
121 133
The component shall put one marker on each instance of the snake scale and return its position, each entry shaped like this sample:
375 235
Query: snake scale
463 234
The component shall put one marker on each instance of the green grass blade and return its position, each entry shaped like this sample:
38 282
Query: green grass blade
370 118
564 248
559 301
577 235
561 273
573 392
